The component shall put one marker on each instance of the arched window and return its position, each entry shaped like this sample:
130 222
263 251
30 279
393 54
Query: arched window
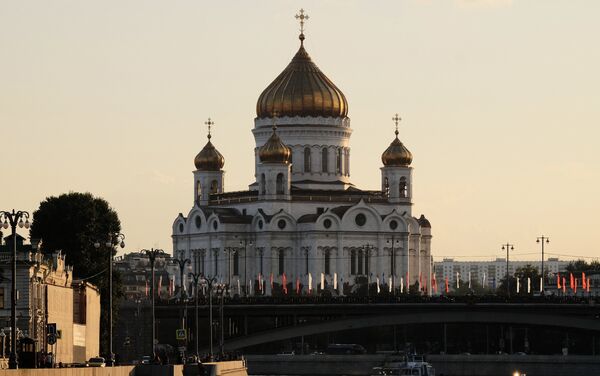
327 265
214 186
338 162
263 184
348 162
281 262
236 263
403 188
386 187
280 189
360 262
198 190
306 159
325 160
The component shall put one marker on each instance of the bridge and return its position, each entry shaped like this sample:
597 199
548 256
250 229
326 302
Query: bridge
250 322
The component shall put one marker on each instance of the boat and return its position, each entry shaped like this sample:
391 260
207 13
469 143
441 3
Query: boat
413 365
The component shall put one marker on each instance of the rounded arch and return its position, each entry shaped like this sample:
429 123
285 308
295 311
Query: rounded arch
211 221
191 225
351 220
409 318
290 222
401 223
259 223
177 223
336 222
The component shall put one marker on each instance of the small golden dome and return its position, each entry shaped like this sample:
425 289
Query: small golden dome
209 158
274 150
302 90
396 154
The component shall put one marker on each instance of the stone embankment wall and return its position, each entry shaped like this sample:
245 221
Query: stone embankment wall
233 368
446 365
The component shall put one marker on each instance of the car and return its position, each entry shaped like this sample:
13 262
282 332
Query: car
97 362
146 359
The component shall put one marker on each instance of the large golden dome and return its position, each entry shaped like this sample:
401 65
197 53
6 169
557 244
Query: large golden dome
274 150
209 158
302 90
396 154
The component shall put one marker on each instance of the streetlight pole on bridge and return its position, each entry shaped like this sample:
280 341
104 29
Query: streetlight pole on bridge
542 239
508 247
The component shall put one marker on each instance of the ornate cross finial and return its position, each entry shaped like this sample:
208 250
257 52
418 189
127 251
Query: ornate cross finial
396 120
302 17
209 123
274 115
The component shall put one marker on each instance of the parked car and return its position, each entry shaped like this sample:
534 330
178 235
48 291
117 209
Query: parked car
97 362
146 359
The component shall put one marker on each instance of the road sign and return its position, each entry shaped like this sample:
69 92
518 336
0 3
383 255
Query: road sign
180 334
51 328
51 338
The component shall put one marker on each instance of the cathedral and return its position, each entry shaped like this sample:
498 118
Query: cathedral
302 227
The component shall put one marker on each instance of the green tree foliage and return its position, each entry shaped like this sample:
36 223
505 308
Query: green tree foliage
72 223
582 266
527 271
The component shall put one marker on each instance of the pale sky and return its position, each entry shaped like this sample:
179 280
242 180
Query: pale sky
500 101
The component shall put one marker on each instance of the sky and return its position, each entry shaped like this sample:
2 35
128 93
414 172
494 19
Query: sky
500 103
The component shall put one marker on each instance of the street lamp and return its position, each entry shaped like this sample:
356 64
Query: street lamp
111 242
367 249
229 251
542 239
152 254
393 241
508 247
245 243
14 219
181 263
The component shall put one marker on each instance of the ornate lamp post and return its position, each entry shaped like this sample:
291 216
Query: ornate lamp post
229 251
508 247
152 254
245 243
393 241
14 219
367 249
542 239
111 242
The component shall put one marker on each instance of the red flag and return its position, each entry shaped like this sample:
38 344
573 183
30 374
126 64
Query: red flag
259 282
583 280
284 282
159 285
146 288
298 285
558 281
572 280
575 284
447 289
271 280
564 285
588 284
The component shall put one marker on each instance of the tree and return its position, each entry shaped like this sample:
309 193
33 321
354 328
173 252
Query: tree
582 266
72 222
522 273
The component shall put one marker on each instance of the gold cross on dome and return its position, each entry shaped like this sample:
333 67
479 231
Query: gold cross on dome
210 123
302 17
396 120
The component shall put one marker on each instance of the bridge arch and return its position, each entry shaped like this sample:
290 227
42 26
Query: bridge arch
412 318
